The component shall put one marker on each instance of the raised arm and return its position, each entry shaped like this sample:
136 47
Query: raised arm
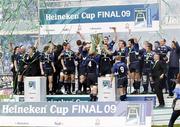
115 34
81 36
177 45
36 45
136 43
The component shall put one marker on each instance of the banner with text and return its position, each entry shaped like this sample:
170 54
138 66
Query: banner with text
82 114
140 17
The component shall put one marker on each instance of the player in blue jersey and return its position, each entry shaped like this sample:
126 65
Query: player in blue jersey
106 60
61 75
83 49
162 50
122 51
120 71
82 57
47 67
92 65
20 66
13 58
68 63
134 64
147 64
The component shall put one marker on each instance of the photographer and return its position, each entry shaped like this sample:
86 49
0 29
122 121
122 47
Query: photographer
176 107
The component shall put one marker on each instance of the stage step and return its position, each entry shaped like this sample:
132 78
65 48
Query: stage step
161 116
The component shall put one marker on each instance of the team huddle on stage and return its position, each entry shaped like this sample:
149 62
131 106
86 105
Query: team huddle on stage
126 62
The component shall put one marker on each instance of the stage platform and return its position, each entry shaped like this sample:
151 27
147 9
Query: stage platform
86 98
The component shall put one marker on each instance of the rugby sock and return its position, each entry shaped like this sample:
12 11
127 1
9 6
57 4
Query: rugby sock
20 87
15 88
65 86
145 86
91 97
69 88
134 85
22 83
80 86
152 87
95 98
73 86
60 85
137 85
84 87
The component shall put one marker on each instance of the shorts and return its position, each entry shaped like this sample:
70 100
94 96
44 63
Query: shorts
48 72
146 70
122 82
91 79
134 67
69 71
82 71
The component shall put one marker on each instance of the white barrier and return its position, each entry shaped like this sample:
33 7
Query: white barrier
34 89
77 114
106 89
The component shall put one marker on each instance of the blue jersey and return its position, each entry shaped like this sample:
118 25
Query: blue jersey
46 59
92 64
69 58
162 51
84 53
105 59
20 58
148 60
110 45
134 53
105 63
82 60
80 49
123 53
120 69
